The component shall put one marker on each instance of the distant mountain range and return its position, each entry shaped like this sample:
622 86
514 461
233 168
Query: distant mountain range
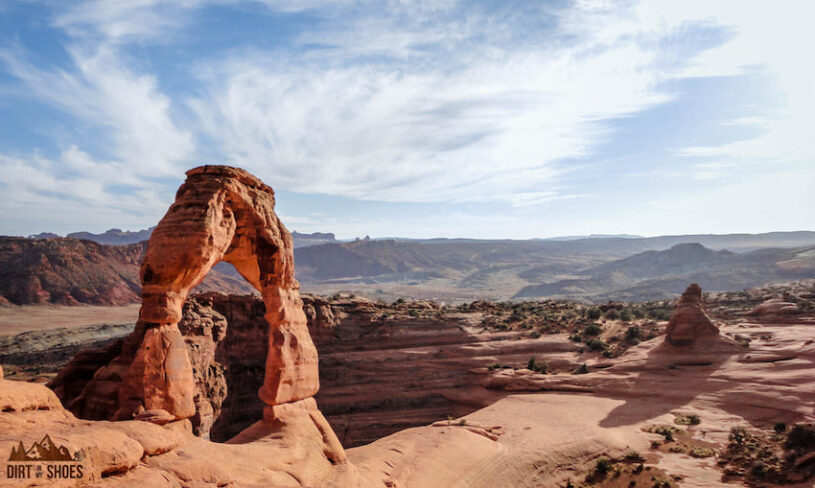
118 237
664 274
72 271
112 237
596 268
60 270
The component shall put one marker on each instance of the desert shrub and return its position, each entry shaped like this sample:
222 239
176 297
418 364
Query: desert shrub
633 333
626 315
634 457
691 419
413 312
583 369
801 437
639 313
758 470
780 428
738 435
575 338
701 452
612 314
603 466
592 330
596 345
666 431
399 301
535 334
594 313
607 353
533 365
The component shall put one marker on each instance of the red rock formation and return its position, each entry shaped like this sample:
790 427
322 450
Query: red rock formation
775 309
220 213
689 320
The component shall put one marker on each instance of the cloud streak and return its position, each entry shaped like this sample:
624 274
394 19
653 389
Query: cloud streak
448 103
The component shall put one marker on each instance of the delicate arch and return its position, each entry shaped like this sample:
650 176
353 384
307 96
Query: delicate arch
220 213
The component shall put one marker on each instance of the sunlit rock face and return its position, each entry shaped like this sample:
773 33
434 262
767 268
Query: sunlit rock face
689 321
220 214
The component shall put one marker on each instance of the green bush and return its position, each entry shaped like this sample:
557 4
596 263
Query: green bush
626 315
583 369
634 457
612 314
692 419
801 437
780 428
596 345
738 435
592 330
633 333
603 466
536 366
594 313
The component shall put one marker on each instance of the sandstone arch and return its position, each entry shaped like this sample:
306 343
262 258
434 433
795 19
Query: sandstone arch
220 214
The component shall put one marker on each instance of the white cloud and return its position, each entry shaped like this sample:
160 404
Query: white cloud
409 101
773 39
126 106
488 122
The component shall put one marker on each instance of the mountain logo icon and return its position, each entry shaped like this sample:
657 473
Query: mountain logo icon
45 450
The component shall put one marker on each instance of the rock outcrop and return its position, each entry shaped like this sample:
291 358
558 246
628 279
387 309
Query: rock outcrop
775 308
67 271
689 321
220 214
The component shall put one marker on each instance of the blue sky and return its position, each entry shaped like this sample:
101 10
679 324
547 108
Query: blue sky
488 119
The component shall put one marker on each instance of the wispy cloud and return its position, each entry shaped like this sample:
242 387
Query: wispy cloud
398 101
478 115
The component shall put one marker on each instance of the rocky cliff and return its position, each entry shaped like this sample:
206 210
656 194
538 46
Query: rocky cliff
71 272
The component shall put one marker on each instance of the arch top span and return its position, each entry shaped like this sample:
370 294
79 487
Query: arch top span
220 213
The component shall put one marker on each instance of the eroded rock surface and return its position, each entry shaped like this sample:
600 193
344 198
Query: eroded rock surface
689 321
220 214
171 367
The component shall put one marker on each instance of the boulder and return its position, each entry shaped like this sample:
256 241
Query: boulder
775 307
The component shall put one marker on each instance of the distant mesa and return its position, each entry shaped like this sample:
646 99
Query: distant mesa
111 237
114 237
689 321
119 237
43 235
